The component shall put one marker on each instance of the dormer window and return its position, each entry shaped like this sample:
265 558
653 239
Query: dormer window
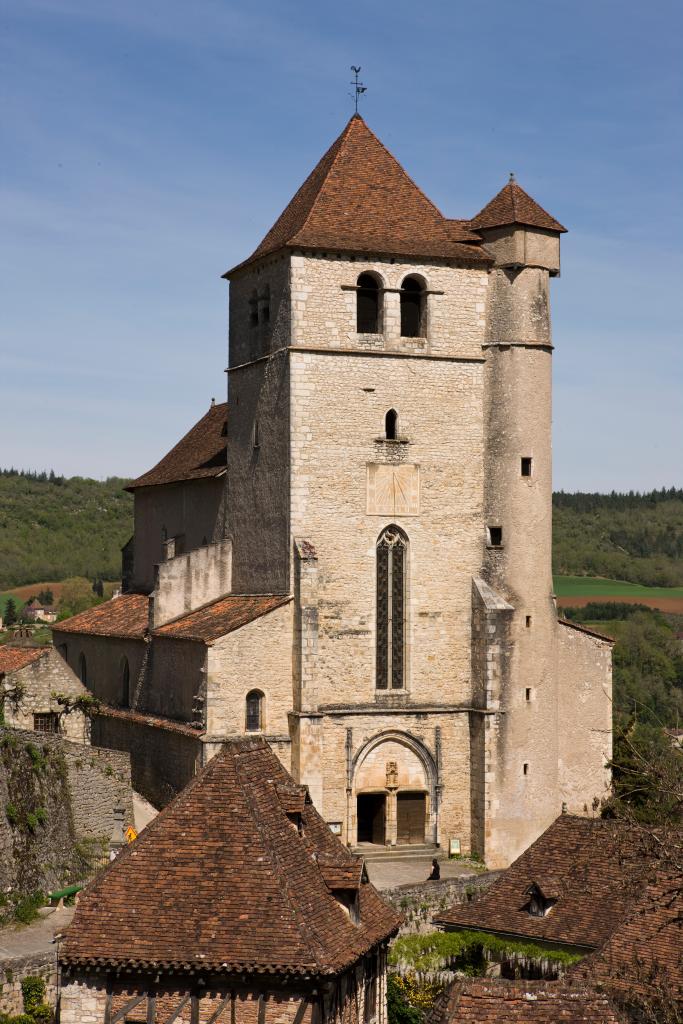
540 903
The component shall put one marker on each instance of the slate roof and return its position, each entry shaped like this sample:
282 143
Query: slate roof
200 454
525 1002
126 616
594 869
215 619
223 879
512 205
358 198
14 658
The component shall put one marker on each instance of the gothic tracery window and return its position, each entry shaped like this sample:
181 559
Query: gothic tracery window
392 556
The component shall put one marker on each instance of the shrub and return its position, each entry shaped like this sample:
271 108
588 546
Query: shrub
32 992
26 909
399 1008
12 814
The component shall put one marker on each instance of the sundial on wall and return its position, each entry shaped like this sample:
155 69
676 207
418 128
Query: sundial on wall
393 490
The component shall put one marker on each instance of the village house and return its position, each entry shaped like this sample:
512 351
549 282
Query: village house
593 887
353 558
40 692
236 904
34 611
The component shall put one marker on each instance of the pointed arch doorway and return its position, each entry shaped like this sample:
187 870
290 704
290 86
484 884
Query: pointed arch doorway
394 792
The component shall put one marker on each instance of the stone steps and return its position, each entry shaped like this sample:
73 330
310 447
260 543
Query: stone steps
417 852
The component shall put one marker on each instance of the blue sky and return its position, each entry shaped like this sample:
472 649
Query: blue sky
147 146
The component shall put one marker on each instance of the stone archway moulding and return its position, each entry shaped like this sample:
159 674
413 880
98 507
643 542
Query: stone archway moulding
413 743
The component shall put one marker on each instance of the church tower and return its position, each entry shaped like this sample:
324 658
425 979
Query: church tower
389 466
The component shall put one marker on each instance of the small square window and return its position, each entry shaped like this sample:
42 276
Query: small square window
526 465
46 722
528 622
495 536
527 693
525 768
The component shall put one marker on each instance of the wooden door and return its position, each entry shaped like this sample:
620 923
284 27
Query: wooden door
410 817
371 817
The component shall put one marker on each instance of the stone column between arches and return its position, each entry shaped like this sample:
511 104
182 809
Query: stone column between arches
394 777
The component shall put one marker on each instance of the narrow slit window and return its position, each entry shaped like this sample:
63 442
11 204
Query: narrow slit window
367 305
528 622
526 465
392 556
527 693
256 440
495 536
525 768
391 425
125 683
83 670
254 711
265 306
253 310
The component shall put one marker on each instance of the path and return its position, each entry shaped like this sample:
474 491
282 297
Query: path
36 938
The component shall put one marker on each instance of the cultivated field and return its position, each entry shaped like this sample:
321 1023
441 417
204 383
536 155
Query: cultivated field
578 591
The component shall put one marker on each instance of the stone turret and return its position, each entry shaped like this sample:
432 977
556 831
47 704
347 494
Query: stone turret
524 241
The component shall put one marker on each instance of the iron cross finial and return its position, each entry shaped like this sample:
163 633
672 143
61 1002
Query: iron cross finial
358 87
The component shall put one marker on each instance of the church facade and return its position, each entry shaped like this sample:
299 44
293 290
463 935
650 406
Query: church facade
353 557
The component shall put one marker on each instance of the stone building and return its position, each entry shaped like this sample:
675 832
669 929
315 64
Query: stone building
356 563
235 905
38 691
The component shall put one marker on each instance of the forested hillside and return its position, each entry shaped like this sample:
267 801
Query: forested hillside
633 537
52 528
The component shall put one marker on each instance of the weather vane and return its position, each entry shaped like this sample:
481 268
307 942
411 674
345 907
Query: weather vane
358 87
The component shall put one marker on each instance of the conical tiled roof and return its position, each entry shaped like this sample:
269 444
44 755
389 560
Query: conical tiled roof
513 205
223 879
360 199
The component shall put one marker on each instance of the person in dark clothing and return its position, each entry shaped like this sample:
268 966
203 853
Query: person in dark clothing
436 871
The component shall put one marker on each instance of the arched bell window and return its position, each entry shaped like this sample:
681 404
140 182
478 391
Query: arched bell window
125 683
391 425
392 571
412 308
367 305
254 711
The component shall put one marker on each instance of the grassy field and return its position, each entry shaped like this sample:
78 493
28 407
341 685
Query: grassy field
577 591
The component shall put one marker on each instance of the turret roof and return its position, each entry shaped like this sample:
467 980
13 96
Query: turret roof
358 198
513 205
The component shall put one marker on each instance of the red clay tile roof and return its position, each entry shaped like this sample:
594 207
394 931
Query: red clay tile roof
358 198
513 205
597 871
14 658
125 616
223 879
523 1002
201 453
580 628
150 721
214 620
645 952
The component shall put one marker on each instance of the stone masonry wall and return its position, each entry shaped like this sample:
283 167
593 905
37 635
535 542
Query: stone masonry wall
194 509
584 677
38 682
163 756
191 580
338 408
104 658
324 313
250 341
13 970
257 656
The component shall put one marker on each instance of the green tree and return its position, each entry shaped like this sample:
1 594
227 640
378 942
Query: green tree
11 617
76 596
